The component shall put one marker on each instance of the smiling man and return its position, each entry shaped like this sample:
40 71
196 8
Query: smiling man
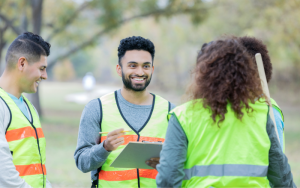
130 108
22 142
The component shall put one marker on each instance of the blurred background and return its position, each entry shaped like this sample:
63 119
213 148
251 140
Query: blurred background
85 35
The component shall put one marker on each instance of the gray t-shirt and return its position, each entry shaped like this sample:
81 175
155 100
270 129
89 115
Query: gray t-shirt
89 154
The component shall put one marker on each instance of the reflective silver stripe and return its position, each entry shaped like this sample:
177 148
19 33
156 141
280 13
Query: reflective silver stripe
226 170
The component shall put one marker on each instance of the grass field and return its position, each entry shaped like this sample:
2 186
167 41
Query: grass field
61 121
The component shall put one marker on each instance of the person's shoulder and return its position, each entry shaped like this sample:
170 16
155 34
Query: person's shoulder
93 104
277 114
172 106
188 107
3 108
5 114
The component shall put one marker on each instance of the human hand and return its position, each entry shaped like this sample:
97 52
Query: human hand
114 139
153 162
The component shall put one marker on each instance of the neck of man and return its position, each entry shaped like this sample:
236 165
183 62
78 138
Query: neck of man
10 83
137 97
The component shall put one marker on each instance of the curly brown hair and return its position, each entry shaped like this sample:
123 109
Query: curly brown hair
224 74
254 46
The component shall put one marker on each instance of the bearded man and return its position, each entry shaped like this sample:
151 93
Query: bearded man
130 108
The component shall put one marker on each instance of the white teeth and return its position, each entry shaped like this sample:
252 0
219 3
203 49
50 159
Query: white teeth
139 79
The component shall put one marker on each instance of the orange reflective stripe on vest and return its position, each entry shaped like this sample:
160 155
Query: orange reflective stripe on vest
127 174
32 169
24 132
133 138
153 130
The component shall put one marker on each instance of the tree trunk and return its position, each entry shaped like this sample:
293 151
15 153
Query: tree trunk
2 45
36 7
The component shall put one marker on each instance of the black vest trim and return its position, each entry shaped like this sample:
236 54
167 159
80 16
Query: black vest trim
137 132
37 139
95 182
10 117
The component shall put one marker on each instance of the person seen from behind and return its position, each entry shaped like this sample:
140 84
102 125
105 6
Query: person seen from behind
223 136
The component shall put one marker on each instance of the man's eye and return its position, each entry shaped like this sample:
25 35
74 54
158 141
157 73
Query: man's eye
146 66
131 65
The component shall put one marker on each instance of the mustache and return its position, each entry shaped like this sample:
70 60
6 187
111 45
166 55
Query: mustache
144 76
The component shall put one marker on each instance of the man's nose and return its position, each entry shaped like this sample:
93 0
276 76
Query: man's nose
140 71
44 75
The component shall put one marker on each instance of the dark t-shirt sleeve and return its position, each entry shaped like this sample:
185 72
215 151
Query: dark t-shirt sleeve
279 171
172 156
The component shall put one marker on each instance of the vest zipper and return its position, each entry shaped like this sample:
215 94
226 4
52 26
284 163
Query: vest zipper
38 143
137 170
137 132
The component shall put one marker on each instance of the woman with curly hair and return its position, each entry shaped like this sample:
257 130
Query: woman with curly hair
223 137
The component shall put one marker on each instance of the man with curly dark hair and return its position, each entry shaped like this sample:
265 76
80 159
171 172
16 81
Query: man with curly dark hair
22 142
129 108
254 46
224 136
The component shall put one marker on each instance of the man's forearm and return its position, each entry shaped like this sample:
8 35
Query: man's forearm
89 154
91 158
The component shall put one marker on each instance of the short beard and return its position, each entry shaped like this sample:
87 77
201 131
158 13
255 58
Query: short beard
128 83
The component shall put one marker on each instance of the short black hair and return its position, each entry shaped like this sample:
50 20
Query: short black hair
253 46
29 45
135 43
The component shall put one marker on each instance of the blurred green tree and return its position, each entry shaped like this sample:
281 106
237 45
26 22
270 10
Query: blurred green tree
82 23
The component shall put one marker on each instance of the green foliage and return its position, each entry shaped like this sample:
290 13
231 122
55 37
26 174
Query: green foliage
82 63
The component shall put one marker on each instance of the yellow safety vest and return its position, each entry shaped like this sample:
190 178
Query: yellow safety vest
234 155
153 130
26 142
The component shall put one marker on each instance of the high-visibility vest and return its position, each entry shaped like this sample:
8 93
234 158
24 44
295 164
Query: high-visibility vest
26 142
276 106
236 154
154 130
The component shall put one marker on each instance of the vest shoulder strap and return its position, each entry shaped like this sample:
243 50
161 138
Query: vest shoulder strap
10 115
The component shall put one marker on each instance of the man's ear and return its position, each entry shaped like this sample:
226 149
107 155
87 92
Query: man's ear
152 69
119 70
22 62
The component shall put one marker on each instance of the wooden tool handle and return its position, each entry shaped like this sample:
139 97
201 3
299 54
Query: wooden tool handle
264 85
